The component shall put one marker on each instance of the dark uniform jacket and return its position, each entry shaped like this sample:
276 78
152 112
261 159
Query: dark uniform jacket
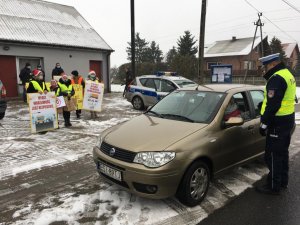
25 75
276 86
57 71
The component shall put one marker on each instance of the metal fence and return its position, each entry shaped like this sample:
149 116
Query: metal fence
249 80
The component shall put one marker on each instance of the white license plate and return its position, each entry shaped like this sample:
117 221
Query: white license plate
113 173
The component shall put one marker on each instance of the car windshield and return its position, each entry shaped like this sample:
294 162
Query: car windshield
185 83
191 106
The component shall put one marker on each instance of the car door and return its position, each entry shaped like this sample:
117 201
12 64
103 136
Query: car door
166 87
257 142
149 92
237 141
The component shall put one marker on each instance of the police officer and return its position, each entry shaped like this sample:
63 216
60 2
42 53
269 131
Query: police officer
277 122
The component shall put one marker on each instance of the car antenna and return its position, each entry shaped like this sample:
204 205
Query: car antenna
202 86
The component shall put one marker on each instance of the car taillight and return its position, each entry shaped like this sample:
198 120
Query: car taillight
3 92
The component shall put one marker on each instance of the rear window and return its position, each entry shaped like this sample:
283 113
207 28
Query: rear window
185 83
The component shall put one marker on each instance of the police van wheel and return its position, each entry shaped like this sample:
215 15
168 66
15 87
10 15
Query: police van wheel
137 103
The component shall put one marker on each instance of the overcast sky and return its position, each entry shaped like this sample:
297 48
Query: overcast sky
164 21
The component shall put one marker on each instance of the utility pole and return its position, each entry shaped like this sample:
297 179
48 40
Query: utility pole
260 25
257 24
132 38
201 75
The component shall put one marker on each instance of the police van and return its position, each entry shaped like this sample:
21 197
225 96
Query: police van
146 90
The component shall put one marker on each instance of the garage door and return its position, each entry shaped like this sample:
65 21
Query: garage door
8 75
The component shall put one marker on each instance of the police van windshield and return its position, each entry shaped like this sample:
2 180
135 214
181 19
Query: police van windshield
190 106
185 83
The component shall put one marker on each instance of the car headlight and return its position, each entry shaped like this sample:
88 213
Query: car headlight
154 159
99 141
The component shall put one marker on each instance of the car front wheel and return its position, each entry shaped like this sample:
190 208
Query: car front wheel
194 185
137 103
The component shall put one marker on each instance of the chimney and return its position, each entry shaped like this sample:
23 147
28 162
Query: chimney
233 38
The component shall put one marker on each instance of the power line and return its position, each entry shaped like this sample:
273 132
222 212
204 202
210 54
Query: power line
292 6
271 21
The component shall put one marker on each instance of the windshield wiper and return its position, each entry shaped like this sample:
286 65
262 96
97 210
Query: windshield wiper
179 116
155 113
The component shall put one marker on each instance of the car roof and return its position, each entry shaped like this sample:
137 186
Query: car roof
227 88
164 77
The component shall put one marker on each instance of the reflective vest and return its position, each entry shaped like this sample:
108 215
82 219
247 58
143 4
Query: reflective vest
37 86
80 79
288 102
64 88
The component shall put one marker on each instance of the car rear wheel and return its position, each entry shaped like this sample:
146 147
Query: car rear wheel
194 185
137 103
2 115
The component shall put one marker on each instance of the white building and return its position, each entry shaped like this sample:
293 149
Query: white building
45 33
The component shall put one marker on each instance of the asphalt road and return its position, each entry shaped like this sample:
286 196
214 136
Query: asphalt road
24 195
252 208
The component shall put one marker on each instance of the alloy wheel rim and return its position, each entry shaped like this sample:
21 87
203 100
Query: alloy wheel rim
198 183
137 103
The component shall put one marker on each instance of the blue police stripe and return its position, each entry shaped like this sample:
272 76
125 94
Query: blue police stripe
143 92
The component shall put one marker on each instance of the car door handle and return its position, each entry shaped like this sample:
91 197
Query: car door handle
251 127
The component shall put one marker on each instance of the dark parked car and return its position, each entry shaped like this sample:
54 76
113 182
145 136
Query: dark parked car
3 103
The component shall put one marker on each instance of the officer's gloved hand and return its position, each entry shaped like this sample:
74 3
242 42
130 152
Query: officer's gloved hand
263 129
65 94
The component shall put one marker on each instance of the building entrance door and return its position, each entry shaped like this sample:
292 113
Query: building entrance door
8 75
97 67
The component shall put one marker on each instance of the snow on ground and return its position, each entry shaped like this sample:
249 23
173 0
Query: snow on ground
110 205
24 151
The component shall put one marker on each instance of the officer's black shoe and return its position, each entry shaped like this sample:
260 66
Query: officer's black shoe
78 116
265 189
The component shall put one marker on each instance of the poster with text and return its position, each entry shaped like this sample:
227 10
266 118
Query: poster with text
78 95
93 96
42 108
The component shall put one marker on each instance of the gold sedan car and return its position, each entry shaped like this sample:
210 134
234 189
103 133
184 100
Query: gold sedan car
179 144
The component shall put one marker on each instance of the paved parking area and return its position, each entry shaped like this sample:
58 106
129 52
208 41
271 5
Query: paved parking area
51 178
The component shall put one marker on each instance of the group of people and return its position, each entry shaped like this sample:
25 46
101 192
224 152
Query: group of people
33 81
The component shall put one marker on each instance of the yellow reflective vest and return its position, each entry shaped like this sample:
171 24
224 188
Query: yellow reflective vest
64 88
37 86
288 102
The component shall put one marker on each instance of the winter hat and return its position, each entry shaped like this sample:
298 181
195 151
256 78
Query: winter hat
75 73
27 64
92 72
36 72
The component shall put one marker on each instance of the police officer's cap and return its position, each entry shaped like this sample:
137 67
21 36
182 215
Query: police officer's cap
270 58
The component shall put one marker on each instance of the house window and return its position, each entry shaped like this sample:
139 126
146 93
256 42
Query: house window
250 65
209 64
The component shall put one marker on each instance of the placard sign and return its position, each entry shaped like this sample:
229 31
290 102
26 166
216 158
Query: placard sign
42 108
93 96
78 95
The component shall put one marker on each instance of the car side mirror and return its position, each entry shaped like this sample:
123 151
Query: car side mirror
234 121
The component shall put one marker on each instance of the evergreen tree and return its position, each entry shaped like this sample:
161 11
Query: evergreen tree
266 46
297 67
141 48
185 65
186 44
153 53
276 47
171 55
